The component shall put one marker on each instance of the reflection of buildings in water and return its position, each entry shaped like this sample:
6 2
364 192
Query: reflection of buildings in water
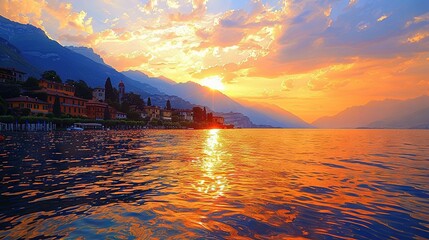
213 164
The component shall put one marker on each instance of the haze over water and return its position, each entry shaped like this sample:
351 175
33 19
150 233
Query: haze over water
214 184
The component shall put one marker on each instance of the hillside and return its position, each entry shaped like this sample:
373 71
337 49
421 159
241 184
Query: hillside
219 102
380 114
11 57
46 54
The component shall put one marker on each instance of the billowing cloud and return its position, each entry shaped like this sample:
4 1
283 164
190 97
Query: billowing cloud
47 12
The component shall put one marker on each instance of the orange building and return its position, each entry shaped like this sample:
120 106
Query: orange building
57 87
166 114
70 104
35 105
153 112
11 75
96 110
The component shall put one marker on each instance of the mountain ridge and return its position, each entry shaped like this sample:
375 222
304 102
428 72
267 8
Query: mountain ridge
219 102
376 114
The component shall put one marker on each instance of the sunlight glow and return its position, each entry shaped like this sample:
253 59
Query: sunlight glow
213 181
213 82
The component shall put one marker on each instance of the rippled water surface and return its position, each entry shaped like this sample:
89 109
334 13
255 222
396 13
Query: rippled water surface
215 184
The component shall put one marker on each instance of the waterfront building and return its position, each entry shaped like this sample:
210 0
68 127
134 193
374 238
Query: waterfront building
57 87
70 104
99 94
153 112
166 114
121 91
11 75
184 114
23 102
97 110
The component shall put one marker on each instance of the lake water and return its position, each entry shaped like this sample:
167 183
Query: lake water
216 184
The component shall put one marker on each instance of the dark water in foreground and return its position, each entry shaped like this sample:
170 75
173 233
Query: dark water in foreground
214 184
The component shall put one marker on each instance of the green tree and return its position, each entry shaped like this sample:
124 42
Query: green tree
51 75
3 106
106 113
31 84
149 102
82 90
56 108
135 116
25 112
9 90
130 99
109 91
168 105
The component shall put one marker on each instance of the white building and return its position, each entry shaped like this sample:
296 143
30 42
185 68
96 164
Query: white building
99 94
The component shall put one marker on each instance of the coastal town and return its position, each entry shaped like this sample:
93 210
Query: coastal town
49 100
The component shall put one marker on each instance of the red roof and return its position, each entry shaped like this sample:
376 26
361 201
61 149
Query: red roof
96 103
60 94
25 99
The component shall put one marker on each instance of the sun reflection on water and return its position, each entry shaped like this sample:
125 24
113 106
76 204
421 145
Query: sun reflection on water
213 164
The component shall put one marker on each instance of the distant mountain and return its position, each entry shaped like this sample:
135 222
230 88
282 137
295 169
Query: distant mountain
221 103
276 114
237 119
46 54
89 53
411 113
10 57
163 84
27 46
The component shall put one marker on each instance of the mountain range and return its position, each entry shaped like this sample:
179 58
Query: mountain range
29 49
389 113
260 114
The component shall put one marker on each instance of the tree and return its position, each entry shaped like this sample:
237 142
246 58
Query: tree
9 90
135 116
106 114
199 115
149 102
3 106
51 75
130 99
209 117
82 90
109 91
56 108
168 105
32 83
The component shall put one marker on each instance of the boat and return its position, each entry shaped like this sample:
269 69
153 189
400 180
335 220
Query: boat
74 128
86 126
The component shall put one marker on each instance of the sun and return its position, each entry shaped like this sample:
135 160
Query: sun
213 82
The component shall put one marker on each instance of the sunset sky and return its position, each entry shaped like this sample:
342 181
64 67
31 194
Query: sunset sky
312 58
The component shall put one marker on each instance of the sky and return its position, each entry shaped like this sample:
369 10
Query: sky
312 58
